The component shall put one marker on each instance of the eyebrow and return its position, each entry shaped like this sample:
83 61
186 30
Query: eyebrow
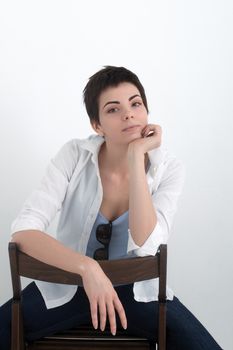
118 102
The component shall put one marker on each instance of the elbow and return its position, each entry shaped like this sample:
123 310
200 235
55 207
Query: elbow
151 244
20 236
16 237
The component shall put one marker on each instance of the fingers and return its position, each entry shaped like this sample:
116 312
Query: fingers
146 131
108 308
121 312
113 305
152 133
102 313
94 318
111 317
150 129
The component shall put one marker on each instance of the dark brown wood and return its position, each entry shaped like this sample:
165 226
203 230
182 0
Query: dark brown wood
121 271
17 339
17 327
138 269
162 296
15 275
83 344
88 338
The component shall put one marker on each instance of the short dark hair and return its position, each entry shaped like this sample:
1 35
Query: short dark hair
107 77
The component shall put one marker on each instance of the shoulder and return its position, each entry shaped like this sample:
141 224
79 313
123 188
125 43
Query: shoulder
74 150
74 147
68 151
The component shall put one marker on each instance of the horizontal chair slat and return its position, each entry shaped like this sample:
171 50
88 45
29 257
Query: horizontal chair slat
90 333
82 344
99 338
138 269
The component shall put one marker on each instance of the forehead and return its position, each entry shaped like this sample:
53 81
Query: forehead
118 93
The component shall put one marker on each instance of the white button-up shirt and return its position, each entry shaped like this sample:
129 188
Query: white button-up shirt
72 186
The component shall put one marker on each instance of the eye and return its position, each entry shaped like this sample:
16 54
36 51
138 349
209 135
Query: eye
137 104
112 110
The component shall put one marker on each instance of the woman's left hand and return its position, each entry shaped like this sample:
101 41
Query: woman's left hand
151 138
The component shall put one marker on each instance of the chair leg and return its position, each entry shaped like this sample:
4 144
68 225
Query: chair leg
162 326
17 339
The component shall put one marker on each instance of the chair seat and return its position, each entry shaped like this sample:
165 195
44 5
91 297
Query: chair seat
85 337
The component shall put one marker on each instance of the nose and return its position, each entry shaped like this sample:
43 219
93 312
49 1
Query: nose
128 114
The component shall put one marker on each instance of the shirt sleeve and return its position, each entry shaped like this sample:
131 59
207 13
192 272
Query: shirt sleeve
41 206
165 200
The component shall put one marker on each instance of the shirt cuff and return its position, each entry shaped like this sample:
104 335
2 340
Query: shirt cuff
150 246
26 224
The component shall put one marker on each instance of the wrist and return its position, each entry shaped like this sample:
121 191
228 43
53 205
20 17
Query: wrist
87 264
135 154
136 160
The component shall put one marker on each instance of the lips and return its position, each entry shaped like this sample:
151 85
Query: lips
131 127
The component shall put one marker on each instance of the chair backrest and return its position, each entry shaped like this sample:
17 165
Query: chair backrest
122 271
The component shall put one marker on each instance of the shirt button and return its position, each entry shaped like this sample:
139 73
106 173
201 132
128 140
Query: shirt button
155 169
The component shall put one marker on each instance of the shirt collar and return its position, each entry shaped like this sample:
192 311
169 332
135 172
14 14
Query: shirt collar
92 143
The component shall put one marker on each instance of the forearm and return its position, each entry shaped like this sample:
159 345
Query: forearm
142 214
49 250
97 285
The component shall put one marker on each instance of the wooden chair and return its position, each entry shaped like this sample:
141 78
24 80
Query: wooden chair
122 271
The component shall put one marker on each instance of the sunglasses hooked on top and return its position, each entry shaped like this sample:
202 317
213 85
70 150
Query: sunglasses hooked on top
103 235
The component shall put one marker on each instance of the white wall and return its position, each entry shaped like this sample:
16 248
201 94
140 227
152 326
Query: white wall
182 53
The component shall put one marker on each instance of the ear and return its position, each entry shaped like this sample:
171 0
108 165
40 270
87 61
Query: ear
97 128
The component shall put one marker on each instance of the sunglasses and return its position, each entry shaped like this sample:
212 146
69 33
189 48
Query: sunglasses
103 235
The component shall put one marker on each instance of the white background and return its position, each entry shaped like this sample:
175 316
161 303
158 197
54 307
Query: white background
182 52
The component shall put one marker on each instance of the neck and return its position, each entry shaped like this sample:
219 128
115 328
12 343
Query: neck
115 159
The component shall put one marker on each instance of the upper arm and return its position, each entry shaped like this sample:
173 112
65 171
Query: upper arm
41 206
165 198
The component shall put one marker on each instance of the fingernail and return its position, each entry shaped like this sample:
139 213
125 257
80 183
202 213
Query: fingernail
113 332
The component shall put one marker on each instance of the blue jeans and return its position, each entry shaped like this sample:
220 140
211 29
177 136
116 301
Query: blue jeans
184 331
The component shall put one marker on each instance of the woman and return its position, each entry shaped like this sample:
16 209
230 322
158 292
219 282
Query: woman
118 182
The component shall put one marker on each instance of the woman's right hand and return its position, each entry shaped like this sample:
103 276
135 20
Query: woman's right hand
102 296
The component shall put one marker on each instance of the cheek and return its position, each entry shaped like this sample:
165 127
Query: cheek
142 111
143 116
110 126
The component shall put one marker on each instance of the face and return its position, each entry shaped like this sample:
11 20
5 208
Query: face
122 114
